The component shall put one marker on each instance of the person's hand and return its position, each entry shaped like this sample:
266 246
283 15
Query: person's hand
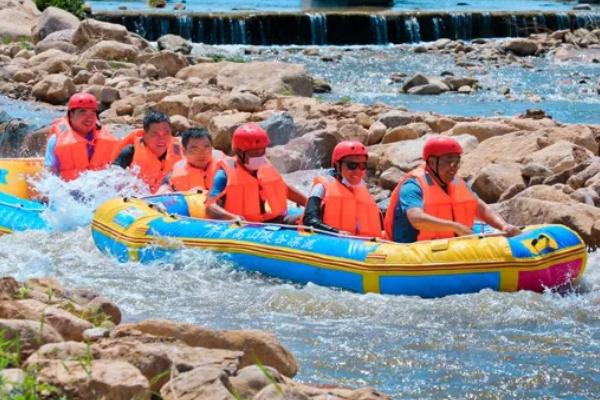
462 230
511 230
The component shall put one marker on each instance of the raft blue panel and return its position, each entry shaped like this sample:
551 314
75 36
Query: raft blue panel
18 214
108 245
563 237
439 285
172 203
299 273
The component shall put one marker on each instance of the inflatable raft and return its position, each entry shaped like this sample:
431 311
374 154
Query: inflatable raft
18 212
155 228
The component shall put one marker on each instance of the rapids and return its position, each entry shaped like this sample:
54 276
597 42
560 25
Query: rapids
487 345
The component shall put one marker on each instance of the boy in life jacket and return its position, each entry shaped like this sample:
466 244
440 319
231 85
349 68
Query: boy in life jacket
432 202
77 143
152 151
247 186
197 169
340 201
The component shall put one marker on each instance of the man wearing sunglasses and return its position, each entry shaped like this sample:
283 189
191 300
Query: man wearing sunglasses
246 186
432 202
340 201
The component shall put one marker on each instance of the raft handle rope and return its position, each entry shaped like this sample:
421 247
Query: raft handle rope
20 206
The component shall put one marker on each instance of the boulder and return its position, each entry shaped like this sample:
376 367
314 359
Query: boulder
174 43
221 128
104 94
241 101
96 379
522 47
254 344
24 75
286 392
414 81
440 124
280 127
400 133
55 44
43 61
320 85
68 350
376 132
180 124
204 103
111 50
482 130
167 63
9 288
32 334
91 31
178 104
455 83
199 383
17 18
390 178
585 176
560 156
203 71
250 380
54 89
394 118
102 305
287 160
308 151
97 78
353 132
52 20
494 179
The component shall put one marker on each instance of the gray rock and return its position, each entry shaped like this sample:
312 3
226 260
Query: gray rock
175 44
52 20
428 89
415 80
281 128
392 119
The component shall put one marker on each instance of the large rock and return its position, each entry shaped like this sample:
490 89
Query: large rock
522 47
44 61
221 129
199 383
586 176
304 152
254 344
414 81
17 18
394 118
495 179
353 132
280 128
167 63
177 104
400 133
54 89
251 380
482 130
175 44
428 89
560 156
9 288
52 20
32 334
241 101
96 379
91 31
111 50
258 77
103 94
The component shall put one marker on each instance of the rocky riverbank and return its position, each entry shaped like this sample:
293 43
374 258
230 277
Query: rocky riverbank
73 343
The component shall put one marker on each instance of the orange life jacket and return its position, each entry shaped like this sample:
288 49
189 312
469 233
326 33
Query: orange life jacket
245 192
185 176
71 149
351 210
152 169
457 204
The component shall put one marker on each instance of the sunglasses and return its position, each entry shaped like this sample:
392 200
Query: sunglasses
352 165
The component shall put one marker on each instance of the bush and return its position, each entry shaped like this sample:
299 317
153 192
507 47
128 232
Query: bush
75 7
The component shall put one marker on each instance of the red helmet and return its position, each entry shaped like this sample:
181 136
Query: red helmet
441 145
249 137
348 148
82 100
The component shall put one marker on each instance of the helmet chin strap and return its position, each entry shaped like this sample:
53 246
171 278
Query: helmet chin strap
435 172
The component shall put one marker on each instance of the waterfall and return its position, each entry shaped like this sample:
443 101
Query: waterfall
438 27
564 21
462 26
589 21
164 27
413 30
540 21
513 26
486 25
263 34
379 29
318 28
184 23
237 31
141 26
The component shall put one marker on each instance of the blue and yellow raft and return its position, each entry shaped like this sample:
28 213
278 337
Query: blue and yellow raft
145 230
18 211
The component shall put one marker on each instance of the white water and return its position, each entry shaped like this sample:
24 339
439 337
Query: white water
485 345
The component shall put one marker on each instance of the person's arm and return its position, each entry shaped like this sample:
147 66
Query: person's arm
125 157
213 208
296 196
50 160
313 215
491 217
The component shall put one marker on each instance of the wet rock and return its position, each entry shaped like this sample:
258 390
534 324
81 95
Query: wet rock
167 63
104 379
31 333
494 179
465 89
9 288
177 104
54 89
102 305
311 52
482 130
522 47
280 128
414 81
455 83
221 128
199 383
320 85
52 20
111 50
91 31
241 101
174 43
429 89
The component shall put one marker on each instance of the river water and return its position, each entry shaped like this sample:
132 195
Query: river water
487 345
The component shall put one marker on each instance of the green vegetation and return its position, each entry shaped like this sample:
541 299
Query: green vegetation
344 100
75 7
221 57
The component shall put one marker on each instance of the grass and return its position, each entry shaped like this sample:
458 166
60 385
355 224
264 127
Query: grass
221 57
344 100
